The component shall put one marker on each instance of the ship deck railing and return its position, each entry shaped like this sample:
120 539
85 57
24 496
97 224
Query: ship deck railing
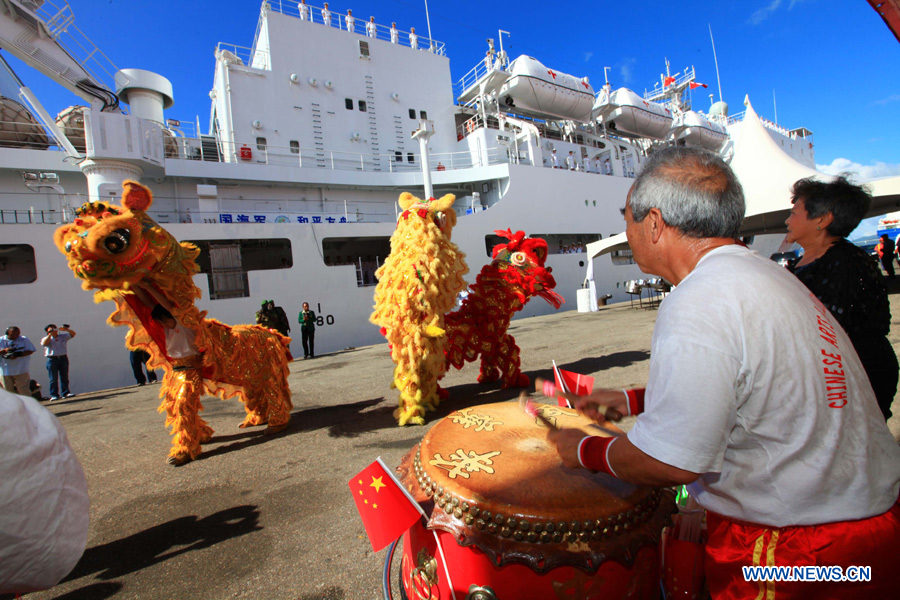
339 21
205 149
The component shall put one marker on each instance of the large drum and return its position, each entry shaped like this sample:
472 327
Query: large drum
513 523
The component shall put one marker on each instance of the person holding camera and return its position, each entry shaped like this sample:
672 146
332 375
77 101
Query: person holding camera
15 349
55 350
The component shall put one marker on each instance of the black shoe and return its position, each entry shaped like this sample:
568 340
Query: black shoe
140 384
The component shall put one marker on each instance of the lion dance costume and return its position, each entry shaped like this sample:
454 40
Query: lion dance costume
502 288
119 251
417 285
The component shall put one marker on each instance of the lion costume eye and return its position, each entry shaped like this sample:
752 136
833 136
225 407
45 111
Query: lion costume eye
440 219
117 241
517 258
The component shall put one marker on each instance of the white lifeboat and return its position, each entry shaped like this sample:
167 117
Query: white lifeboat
536 91
19 128
694 129
623 111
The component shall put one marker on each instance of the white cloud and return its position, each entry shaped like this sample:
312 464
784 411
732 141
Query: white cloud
888 100
625 69
587 56
763 13
863 172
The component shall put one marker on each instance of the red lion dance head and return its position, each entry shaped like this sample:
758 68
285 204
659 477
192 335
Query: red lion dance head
521 263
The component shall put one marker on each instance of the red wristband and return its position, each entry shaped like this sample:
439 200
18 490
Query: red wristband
635 398
593 454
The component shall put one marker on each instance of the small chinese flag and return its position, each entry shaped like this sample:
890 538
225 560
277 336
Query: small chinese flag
668 81
695 85
571 383
386 508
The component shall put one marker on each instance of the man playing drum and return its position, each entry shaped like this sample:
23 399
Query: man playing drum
756 399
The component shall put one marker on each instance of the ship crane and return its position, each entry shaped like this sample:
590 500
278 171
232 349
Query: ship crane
44 36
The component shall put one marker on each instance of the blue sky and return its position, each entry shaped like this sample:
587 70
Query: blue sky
832 65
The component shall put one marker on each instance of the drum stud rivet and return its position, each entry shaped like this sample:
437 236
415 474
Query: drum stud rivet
532 536
519 536
584 536
574 526
596 534
486 515
428 492
587 526
524 525
498 519
440 490
492 528
617 529
475 510
454 501
606 531
465 507
627 526
469 519
512 523
572 536
504 531
550 527
562 527
457 513
538 527
557 537
479 523
546 537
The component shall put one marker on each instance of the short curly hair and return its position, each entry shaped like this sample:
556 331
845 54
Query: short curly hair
847 202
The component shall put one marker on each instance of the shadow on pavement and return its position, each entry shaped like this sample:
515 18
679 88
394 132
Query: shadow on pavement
163 542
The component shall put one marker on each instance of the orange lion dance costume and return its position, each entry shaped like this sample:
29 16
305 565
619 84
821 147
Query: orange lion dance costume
417 285
502 288
127 257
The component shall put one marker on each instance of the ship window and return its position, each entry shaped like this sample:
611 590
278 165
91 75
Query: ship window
362 106
365 254
260 143
227 262
363 48
17 264
411 157
398 157
348 103
423 114
295 147
557 243
412 113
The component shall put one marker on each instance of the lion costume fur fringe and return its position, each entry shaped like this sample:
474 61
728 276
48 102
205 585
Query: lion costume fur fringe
114 249
417 285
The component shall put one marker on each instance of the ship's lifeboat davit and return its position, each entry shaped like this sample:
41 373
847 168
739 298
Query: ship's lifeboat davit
623 111
694 129
19 128
534 90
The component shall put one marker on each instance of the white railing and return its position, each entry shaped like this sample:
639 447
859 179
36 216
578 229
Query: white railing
251 153
338 20
248 57
736 118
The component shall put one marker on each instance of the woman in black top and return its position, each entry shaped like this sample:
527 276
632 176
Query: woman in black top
842 276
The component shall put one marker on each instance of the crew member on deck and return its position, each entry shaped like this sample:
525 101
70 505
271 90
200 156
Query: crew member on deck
326 15
371 28
304 10
413 39
395 35
351 22
756 400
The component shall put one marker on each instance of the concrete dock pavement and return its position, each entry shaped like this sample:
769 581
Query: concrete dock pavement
272 517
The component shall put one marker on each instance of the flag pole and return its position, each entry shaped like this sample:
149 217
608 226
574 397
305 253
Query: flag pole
716 59
428 20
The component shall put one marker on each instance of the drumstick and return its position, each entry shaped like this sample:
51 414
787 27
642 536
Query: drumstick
550 390
531 409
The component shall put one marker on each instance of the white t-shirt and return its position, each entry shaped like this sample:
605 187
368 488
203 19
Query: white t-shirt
44 506
755 386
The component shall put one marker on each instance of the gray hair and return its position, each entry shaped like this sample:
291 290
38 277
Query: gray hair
696 192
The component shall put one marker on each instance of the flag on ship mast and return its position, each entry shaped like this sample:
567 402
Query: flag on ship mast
695 85
386 508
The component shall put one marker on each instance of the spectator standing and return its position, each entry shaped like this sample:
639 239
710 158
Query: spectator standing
887 254
395 35
586 164
139 360
350 21
371 28
307 320
304 10
554 159
273 317
15 349
56 351
326 15
571 163
44 506
413 39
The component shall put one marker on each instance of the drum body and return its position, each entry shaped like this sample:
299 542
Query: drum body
507 520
